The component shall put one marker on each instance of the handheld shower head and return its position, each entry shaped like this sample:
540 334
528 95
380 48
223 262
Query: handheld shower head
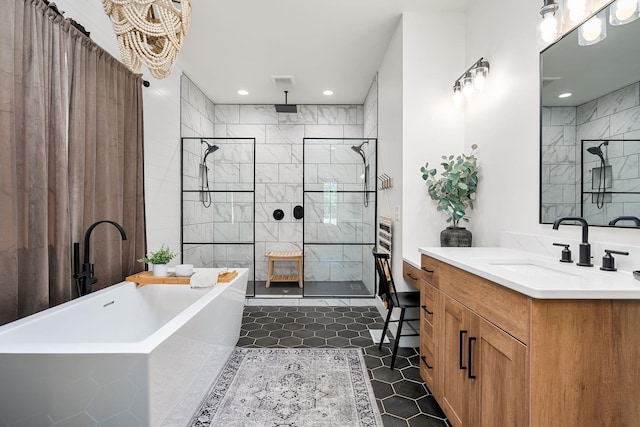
358 149
597 151
210 149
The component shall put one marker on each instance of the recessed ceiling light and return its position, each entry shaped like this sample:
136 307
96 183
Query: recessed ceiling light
243 92
565 95
327 92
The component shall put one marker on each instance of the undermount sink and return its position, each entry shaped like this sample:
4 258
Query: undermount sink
531 267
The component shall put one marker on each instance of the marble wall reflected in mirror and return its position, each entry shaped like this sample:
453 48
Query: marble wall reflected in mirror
590 141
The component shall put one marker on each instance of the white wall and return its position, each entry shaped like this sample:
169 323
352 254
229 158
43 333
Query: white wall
433 57
504 122
390 138
161 130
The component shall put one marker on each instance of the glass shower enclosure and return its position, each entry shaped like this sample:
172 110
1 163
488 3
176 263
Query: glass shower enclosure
339 190
218 203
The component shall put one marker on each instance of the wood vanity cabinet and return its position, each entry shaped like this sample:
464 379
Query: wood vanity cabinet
501 358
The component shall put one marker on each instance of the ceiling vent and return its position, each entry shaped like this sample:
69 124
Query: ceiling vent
283 80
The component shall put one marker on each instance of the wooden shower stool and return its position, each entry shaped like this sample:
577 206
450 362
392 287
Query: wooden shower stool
272 257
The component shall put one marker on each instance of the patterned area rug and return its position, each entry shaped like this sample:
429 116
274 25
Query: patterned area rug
292 387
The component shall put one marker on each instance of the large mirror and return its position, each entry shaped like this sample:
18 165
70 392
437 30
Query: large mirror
590 141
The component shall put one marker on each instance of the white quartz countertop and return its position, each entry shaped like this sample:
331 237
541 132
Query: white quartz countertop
539 276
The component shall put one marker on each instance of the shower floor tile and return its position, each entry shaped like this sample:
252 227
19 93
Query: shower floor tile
312 289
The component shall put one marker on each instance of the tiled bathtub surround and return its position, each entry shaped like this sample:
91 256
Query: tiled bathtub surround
613 116
316 133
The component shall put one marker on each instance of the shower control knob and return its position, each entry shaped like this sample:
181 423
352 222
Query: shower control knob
566 252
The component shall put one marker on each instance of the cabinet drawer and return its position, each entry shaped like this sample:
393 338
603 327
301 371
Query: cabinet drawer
411 274
430 270
505 308
427 302
428 362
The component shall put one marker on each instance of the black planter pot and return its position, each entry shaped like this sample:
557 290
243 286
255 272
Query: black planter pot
453 237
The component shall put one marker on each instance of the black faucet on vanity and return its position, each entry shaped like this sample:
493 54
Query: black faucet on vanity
584 259
83 274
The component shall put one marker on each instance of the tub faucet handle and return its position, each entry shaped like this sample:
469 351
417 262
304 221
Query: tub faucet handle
609 262
566 252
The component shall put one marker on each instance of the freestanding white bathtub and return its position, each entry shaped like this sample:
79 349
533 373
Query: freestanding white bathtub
123 356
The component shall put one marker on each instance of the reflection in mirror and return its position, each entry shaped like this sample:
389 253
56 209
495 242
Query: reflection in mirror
590 140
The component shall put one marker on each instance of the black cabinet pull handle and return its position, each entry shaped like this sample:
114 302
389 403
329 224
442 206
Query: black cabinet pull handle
462 333
426 269
411 276
471 340
424 307
424 359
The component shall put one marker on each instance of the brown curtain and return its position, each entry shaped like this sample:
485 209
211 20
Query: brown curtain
70 154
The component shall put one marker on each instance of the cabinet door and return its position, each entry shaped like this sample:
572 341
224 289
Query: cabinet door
498 363
429 332
454 397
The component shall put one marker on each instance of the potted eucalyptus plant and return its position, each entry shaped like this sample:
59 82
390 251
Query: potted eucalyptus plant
453 192
159 259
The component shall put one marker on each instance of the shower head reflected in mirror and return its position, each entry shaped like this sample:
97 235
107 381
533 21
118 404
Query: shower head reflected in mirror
602 173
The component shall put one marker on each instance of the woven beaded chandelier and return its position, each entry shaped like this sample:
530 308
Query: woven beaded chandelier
149 32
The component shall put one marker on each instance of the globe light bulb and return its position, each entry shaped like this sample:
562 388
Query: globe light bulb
577 9
549 28
625 9
592 29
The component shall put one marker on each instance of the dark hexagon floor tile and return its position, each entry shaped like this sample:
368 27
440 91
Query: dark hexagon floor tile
314 327
334 314
353 314
324 309
345 320
361 342
357 327
267 342
326 333
325 321
280 333
258 333
336 327
372 314
381 390
428 405
307 309
272 326
257 314
287 309
409 389
291 341
342 309
406 351
400 406
296 314
252 308
304 333
373 350
315 314
401 362
391 421
314 342
372 362
385 374
412 373
265 320
337 342
422 420
293 326
246 341
305 320
251 326
347 333
365 320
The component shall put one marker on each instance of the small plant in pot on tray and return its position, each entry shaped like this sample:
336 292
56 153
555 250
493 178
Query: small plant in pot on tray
159 259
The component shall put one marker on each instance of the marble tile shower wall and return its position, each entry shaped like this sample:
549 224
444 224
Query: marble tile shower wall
370 129
616 116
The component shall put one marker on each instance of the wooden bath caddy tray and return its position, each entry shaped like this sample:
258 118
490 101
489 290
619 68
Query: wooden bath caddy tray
147 278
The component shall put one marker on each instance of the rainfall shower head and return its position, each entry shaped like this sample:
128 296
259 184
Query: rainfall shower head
286 108
210 149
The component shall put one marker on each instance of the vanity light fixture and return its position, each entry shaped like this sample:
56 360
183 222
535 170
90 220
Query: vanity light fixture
624 11
243 92
577 10
549 28
471 80
594 30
